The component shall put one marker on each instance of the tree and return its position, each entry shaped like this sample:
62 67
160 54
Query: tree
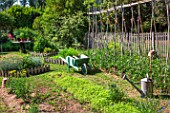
24 16
72 30
37 4
61 23
6 21
65 7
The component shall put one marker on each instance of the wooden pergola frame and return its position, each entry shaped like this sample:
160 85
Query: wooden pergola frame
119 7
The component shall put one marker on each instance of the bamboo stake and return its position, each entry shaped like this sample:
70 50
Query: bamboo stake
138 25
88 32
122 32
168 21
115 32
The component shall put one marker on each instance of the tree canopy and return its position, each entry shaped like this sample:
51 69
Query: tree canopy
6 21
24 16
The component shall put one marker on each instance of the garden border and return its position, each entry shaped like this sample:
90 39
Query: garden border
29 71
43 54
54 61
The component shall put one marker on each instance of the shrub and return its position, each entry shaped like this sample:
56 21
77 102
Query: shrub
67 52
3 38
20 87
25 33
39 44
47 50
16 63
11 63
29 62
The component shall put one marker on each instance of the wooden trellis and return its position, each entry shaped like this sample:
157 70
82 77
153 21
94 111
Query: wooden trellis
146 42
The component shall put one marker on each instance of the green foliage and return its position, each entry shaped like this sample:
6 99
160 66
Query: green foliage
38 4
135 66
68 52
3 38
24 16
29 62
40 44
65 7
37 24
6 21
33 108
25 33
18 63
149 106
47 50
122 107
10 63
72 30
9 46
112 45
86 91
20 87
63 31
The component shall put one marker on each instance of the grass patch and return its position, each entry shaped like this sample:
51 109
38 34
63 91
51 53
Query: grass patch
98 97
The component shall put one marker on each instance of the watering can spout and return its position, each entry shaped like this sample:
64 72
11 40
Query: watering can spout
140 91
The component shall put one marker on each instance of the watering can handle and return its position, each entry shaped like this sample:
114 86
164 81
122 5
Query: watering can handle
124 77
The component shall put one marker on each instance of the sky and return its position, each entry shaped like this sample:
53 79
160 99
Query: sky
18 3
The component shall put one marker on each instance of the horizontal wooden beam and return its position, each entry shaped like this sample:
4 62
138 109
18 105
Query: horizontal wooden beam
119 7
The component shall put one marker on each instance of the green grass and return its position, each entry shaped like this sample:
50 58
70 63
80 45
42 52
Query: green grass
94 91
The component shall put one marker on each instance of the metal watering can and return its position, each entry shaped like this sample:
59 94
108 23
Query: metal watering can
146 85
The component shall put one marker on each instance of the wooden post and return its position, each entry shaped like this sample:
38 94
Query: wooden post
22 46
35 70
153 41
48 67
42 69
28 72
32 71
38 69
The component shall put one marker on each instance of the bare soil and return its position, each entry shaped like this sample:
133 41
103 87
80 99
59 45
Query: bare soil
61 105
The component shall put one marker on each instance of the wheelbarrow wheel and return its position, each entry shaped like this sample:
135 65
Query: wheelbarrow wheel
84 69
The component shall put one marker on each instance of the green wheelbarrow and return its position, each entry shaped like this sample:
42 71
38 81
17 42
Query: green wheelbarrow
79 64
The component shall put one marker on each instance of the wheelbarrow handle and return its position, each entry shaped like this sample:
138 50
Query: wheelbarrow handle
63 59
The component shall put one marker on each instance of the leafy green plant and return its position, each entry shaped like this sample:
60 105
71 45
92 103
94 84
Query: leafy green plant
29 62
68 52
20 87
135 66
33 108
41 43
19 63
88 92
11 63
25 33
149 106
